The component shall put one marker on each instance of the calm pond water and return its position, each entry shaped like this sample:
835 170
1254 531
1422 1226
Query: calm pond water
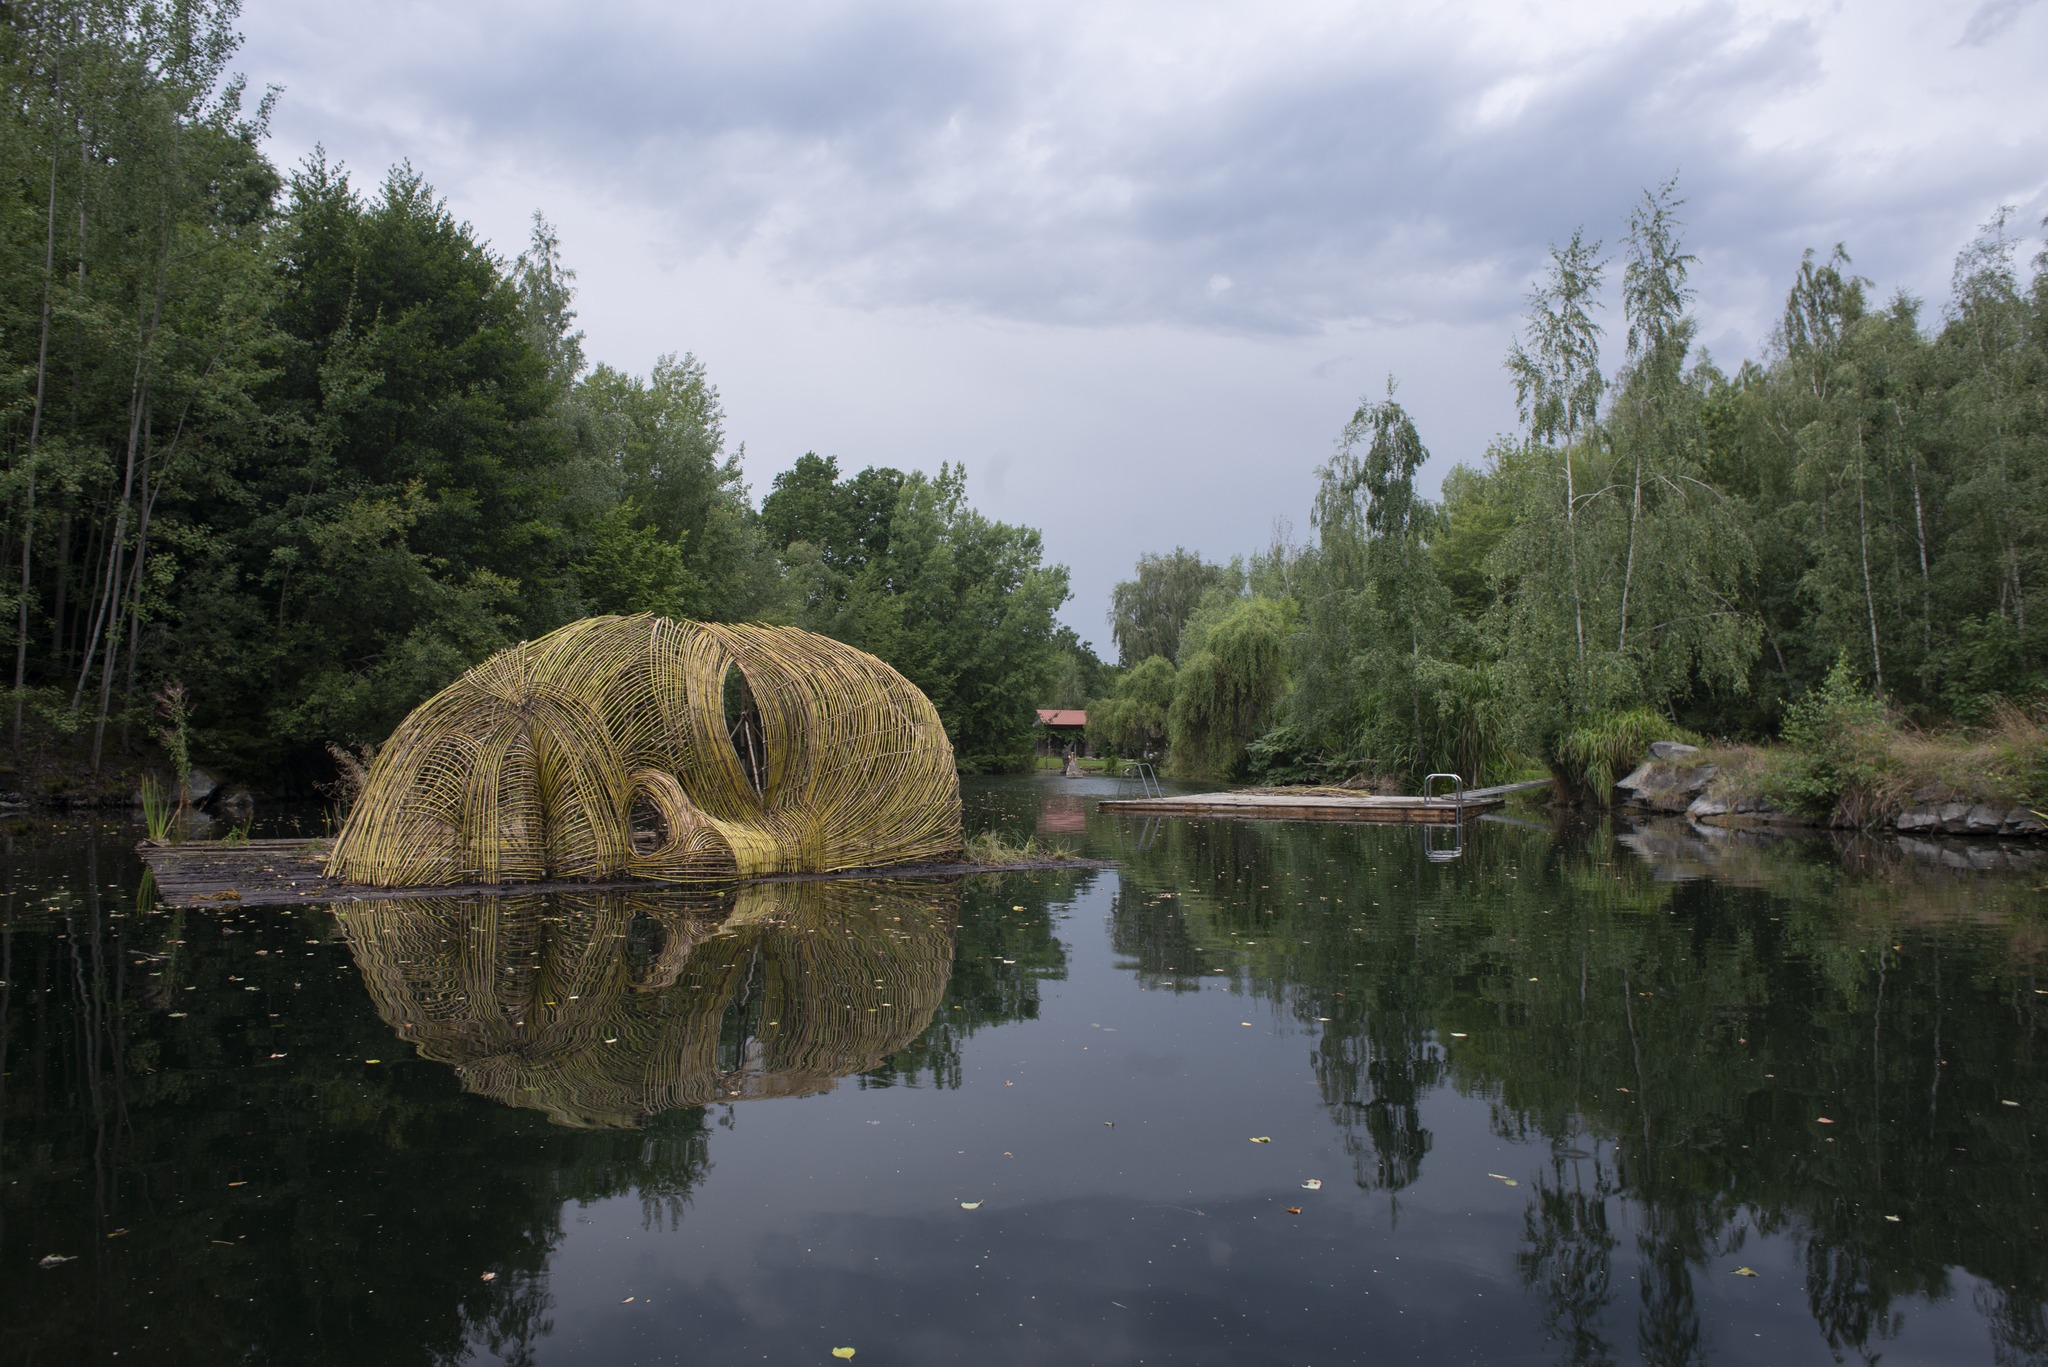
1273 1093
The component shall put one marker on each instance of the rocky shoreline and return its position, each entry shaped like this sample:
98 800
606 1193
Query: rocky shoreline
1680 780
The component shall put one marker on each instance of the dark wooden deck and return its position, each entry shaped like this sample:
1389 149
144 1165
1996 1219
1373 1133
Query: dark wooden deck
268 873
1320 806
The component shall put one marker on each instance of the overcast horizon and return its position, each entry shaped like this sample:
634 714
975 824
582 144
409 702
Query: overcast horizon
1135 265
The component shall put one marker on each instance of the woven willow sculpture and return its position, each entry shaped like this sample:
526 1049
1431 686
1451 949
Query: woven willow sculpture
601 1009
605 750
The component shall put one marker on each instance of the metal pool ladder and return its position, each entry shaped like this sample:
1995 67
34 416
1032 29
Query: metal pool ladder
1444 854
1429 788
1138 774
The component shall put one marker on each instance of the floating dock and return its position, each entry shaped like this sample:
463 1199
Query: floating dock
270 873
1322 804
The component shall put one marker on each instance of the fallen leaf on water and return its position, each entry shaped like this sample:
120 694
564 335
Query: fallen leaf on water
1504 1178
2008 1103
57 1259
116 1233
1893 1218
1012 909
970 1205
1294 1210
1262 1139
1745 1272
373 1060
238 1184
842 1352
627 1301
490 1276
1313 1184
1248 1023
1823 1120
1457 1034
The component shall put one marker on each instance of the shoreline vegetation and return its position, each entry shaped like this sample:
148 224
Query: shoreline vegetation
1825 564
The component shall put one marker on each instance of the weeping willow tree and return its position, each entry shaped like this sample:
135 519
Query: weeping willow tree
1131 721
1388 678
604 1009
1233 670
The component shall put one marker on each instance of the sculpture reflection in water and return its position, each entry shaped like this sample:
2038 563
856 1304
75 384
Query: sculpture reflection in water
603 1009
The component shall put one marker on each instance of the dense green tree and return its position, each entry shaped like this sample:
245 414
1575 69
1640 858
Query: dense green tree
1384 677
1147 612
1081 674
661 444
902 566
1232 672
1131 719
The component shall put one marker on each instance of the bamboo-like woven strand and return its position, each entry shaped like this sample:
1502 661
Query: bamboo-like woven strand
601 1009
530 766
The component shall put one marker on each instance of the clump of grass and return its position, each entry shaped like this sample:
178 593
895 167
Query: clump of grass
1593 756
993 847
159 813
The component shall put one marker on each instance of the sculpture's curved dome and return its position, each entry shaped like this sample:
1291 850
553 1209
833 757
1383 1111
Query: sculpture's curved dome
649 748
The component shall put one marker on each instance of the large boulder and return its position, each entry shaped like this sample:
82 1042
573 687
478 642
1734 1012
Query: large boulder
1673 750
1666 787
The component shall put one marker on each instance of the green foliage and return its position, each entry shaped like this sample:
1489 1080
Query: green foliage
1388 665
1148 613
1837 734
1131 721
1597 753
963 605
1229 680
159 811
1081 674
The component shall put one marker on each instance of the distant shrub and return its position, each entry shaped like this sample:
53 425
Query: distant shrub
1841 744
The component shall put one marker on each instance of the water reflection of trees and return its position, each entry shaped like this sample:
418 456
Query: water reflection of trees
1683 1037
148 1059
602 1009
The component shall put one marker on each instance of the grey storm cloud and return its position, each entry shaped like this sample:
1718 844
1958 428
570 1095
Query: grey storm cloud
900 154
1000 161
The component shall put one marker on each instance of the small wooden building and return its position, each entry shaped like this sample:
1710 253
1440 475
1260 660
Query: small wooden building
1061 729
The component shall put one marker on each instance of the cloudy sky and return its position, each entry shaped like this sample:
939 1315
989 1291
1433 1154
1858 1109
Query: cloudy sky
1135 263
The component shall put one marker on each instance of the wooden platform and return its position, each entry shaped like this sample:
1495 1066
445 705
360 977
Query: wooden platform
268 873
1320 806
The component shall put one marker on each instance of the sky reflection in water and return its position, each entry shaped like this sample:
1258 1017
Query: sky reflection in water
1556 1093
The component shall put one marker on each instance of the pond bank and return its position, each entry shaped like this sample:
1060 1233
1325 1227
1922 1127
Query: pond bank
1933 791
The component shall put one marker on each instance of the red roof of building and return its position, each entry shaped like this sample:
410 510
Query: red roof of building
1062 716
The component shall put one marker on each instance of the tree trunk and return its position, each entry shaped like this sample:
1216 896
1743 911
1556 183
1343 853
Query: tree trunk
1628 571
1571 542
148 503
1863 554
35 432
